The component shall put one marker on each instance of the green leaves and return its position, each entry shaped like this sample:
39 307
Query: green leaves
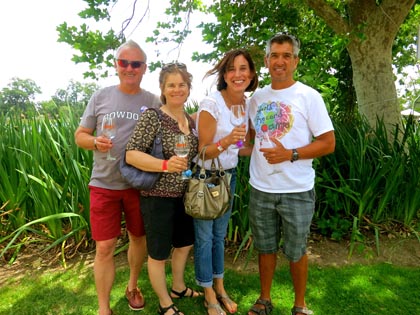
369 180
96 48
43 180
19 95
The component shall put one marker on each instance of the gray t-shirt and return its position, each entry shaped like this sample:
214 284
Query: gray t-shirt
126 109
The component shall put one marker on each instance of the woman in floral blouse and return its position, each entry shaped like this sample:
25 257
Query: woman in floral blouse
167 226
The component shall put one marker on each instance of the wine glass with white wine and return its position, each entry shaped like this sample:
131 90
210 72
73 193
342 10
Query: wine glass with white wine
109 130
237 118
267 143
182 149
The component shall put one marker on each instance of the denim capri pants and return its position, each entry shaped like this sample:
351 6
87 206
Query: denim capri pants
288 216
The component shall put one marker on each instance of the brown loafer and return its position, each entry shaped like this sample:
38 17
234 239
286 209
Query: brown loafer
135 299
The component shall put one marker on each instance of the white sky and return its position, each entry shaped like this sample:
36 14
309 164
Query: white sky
30 49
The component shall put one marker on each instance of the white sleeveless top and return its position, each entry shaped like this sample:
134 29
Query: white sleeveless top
215 105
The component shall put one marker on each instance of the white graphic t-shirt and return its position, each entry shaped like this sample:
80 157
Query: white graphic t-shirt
293 116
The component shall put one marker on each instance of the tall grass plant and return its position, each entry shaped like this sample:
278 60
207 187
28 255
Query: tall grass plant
367 182
43 188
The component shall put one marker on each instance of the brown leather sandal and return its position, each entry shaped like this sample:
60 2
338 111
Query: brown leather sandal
268 307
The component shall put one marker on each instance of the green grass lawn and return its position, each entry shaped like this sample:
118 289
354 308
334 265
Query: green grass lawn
354 289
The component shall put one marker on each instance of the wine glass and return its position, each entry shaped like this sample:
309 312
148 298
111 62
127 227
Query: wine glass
267 143
237 118
182 149
109 130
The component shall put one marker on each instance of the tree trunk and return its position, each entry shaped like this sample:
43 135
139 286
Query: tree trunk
373 78
371 29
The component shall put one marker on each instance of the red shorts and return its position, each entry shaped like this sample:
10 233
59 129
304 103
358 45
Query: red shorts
106 208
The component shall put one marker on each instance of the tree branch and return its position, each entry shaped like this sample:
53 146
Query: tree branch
330 16
393 10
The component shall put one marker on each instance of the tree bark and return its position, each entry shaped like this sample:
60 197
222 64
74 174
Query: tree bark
371 29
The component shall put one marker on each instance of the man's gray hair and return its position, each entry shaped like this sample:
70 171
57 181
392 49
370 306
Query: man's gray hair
130 44
281 38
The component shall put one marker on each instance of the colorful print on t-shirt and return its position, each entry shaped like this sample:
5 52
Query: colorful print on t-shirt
273 119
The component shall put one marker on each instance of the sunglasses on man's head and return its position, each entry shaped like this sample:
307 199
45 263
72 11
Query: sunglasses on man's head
179 65
134 64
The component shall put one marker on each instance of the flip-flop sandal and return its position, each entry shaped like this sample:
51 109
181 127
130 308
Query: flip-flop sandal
182 294
226 302
216 306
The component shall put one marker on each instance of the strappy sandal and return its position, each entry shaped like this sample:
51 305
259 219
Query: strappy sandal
268 307
216 306
163 310
302 310
180 295
226 302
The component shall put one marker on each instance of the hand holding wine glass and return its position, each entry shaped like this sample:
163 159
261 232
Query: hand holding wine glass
268 143
182 149
109 130
237 118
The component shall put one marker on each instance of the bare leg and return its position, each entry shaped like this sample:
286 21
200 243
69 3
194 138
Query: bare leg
210 295
104 272
219 287
136 254
179 260
157 278
299 272
210 299
267 266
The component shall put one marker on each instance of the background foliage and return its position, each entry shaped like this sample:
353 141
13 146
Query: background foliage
369 183
366 184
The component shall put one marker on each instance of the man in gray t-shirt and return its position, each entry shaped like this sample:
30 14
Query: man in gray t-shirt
110 195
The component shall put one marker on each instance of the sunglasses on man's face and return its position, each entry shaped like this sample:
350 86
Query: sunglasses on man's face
125 63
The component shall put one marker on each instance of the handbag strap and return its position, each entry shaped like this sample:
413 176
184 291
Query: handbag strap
201 156
202 175
222 174
158 136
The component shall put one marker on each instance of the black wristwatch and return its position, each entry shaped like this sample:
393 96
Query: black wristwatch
295 155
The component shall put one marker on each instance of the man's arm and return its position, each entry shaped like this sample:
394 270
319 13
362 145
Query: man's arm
322 145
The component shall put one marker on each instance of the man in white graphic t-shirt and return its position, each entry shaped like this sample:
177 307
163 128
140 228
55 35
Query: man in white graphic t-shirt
292 127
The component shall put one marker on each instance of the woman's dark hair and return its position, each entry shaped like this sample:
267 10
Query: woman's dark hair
221 68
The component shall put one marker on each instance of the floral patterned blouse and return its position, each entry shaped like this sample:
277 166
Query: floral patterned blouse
142 139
